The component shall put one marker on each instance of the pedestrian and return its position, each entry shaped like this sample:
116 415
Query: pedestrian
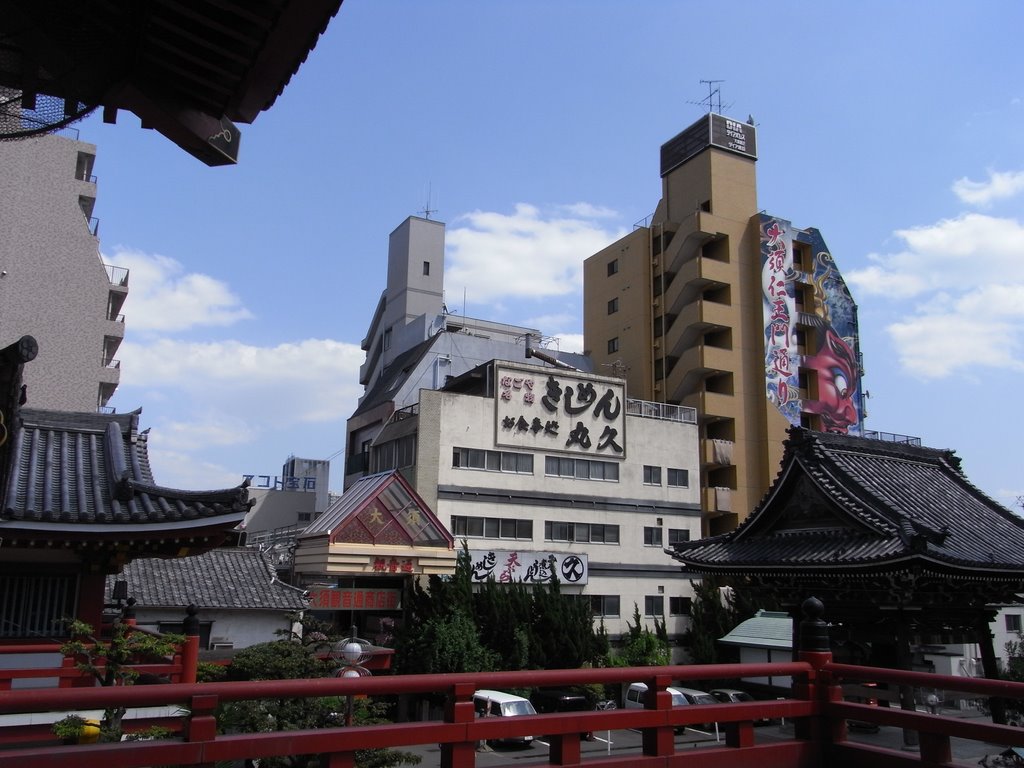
933 703
482 745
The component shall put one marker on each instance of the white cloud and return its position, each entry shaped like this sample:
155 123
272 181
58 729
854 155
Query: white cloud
162 297
312 380
967 277
569 342
999 186
969 251
527 254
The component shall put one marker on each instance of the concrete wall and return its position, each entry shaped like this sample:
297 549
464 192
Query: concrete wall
53 284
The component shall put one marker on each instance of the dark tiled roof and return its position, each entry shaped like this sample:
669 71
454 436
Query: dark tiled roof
393 376
850 502
89 472
239 577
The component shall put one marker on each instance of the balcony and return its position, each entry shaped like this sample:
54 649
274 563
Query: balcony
118 276
695 276
718 499
718 453
651 410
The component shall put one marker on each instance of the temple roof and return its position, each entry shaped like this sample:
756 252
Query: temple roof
850 504
182 68
230 578
86 476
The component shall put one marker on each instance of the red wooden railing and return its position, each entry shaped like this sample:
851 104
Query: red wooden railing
815 707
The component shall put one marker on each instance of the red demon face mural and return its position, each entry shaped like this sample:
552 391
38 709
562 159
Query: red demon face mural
836 367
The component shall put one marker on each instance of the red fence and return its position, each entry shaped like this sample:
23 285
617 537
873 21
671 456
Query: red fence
815 708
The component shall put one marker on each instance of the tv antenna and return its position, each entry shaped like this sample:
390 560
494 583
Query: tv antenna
713 101
427 210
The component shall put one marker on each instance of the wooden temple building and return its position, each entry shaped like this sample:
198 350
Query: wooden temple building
77 502
891 537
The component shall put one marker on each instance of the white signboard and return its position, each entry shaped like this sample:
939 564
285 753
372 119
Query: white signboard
507 565
554 410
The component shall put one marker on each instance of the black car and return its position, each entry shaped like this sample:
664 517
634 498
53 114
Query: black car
547 700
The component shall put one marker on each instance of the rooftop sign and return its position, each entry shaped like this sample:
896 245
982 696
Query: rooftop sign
712 130
550 409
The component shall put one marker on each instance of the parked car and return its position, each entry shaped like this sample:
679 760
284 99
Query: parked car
733 695
500 704
699 698
636 696
547 700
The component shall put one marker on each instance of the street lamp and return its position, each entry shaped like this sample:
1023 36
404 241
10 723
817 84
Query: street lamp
353 652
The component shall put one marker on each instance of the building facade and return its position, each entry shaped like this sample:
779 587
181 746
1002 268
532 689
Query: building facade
715 305
414 342
53 282
546 472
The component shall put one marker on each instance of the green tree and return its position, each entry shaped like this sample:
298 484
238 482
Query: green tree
642 647
110 662
284 660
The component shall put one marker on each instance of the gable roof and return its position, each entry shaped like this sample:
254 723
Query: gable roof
86 477
766 629
381 509
853 504
229 578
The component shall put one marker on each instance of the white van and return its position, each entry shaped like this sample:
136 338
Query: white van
501 704
636 694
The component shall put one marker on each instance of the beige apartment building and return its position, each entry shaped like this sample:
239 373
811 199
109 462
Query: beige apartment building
713 304
54 284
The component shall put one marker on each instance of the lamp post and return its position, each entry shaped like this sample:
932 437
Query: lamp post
353 651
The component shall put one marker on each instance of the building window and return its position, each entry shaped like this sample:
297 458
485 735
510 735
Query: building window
654 605
394 454
587 533
613 345
652 536
36 606
581 469
613 306
426 267
613 267
387 338
678 535
678 478
652 475
1013 622
604 605
679 606
492 528
492 461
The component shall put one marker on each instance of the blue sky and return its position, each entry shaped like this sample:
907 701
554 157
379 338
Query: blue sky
533 130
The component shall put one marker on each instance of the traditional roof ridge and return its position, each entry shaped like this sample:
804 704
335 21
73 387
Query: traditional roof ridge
916 500
227 578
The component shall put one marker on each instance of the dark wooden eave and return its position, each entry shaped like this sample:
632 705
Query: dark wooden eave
186 69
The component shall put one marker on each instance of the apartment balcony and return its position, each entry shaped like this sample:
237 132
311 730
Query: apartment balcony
694 277
691 236
717 453
695 320
717 499
695 365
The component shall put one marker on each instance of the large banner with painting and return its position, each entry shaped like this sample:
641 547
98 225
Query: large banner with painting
810 330
552 409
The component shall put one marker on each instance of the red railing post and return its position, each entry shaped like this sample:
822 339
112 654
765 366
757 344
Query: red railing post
816 651
202 721
190 650
564 749
661 740
459 709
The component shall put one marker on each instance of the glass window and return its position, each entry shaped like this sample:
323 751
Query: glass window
613 306
678 478
1013 623
654 605
582 532
652 536
678 535
604 605
613 267
652 475
613 345
679 606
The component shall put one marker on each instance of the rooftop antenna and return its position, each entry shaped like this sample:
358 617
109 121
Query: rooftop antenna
427 210
713 101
